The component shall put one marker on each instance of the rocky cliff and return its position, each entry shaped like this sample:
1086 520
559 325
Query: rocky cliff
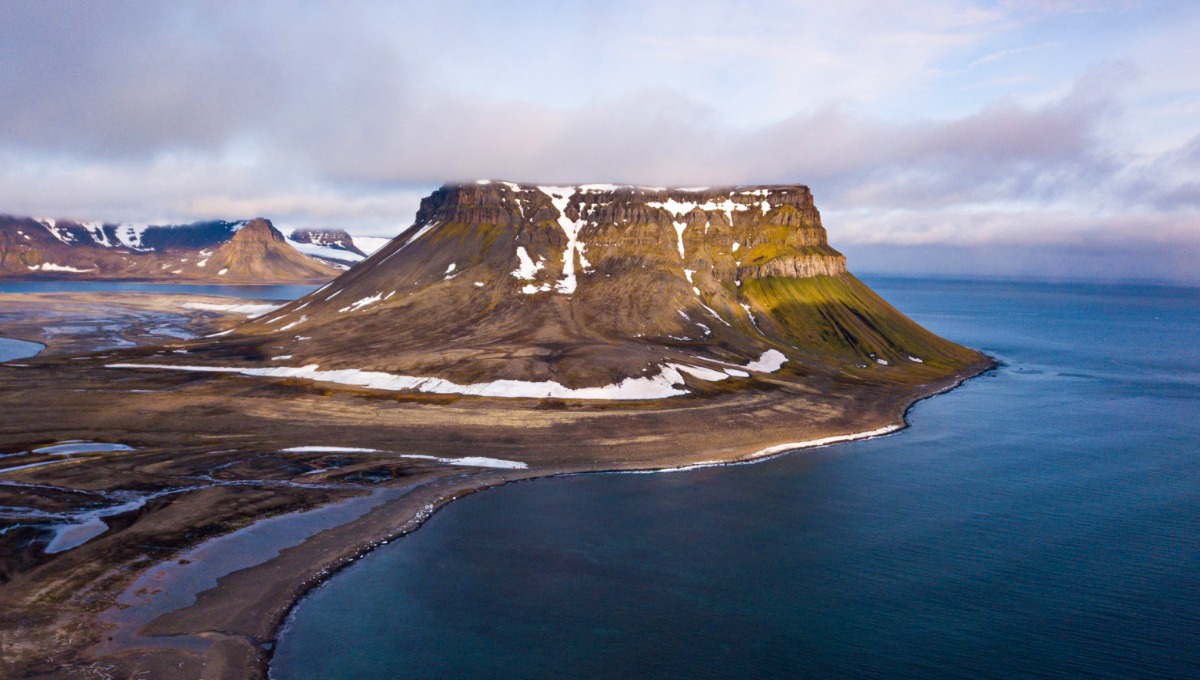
595 284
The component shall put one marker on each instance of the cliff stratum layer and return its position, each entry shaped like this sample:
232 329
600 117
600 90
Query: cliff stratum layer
219 251
599 291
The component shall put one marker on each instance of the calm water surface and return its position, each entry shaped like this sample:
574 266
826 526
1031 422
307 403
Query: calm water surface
1042 521
270 292
11 349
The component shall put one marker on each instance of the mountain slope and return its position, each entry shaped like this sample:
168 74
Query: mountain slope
595 285
258 252
46 248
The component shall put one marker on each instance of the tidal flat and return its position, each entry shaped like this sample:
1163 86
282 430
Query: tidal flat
202 457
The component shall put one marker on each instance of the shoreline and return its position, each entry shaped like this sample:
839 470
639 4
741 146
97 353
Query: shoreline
759 456
250 437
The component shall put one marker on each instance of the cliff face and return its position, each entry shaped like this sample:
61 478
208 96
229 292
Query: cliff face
729 233
594 284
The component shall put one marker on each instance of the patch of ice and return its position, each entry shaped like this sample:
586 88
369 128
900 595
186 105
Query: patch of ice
770 361
714 313
51 267
223 272
736 245
468 461
281 357
527 269
727 206
750 313
295 323
363 302
688 274
251 311
130 235
59 233
479 284
659 386
699 372
329 449
881 362
369 244
560 197
915 359
327 252
483 461
450 269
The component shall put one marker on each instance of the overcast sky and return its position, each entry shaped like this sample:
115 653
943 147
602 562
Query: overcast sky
1051 138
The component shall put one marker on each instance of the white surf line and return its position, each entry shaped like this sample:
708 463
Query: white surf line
468 461
773 451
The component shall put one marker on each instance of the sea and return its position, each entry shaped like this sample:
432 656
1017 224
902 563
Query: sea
1041 521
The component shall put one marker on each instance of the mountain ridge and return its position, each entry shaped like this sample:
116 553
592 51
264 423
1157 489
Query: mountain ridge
65 249
594 285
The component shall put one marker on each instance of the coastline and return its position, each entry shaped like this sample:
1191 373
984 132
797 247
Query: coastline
54 617
758 456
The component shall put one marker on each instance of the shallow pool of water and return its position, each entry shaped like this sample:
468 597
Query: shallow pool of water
11 350
268 292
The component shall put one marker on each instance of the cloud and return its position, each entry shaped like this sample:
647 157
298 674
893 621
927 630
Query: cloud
961 124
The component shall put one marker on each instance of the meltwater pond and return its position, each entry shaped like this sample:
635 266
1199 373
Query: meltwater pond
11 349
1040 521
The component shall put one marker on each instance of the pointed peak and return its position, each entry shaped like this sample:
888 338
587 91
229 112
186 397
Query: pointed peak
257 229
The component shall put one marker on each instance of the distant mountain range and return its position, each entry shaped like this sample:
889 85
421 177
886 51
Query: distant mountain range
243 251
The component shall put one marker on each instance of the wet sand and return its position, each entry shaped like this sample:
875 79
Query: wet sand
214 449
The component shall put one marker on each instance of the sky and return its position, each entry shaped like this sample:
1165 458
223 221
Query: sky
1053 139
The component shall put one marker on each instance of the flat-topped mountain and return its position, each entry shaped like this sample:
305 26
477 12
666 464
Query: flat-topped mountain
220 251
332 239
510 289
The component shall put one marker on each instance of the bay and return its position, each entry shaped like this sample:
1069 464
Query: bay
1040 521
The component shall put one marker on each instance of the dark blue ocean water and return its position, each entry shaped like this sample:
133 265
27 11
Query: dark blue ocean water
1041 521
